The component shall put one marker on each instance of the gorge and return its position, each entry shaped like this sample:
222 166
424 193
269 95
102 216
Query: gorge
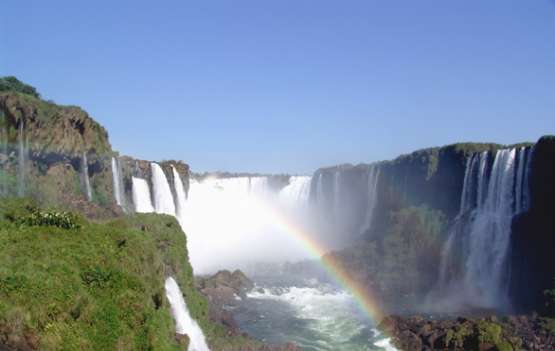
444 230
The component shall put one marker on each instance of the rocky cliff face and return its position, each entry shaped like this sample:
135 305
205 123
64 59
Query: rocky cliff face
56 154
533 233
430 177
62 157
396 216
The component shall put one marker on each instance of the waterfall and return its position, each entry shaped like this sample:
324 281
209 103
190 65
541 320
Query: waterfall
320 190
297 191
259 185
85 175
337 194
184 324
21 159
141 196
232 222
117 181
181 196
522 192
479 241
373 176
163 197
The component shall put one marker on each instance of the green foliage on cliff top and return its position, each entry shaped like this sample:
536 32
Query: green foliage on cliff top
13 84
99 286
54 128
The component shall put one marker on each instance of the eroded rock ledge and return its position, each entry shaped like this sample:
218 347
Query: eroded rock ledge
484 334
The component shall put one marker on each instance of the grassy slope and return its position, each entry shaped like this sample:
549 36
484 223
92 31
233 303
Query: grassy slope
99 287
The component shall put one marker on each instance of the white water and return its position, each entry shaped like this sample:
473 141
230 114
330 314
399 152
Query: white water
116 179
231 222
141 196
385 344
482 231
296 193
489 237
85 171
181 196
163 197
316 317
184 324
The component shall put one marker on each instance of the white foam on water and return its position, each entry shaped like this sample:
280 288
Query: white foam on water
384 343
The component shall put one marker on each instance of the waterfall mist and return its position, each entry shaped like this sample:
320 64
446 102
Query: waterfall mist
231 222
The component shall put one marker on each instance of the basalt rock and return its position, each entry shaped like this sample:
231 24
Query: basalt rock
533 233
483 334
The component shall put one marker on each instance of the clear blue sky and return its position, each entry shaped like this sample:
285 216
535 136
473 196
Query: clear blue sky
290 85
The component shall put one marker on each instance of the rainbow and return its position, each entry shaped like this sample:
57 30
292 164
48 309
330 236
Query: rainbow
364 298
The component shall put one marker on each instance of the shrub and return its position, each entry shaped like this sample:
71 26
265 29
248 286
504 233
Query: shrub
65 220
14 84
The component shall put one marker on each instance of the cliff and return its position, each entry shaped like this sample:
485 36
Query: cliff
415 204
533 234
431 177
62 157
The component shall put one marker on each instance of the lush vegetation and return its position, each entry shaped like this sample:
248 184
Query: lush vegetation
14 84
60 219
93 286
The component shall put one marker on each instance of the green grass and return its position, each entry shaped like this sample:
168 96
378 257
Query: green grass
99 286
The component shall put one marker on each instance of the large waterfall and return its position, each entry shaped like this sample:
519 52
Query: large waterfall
475 267
231 222
184 324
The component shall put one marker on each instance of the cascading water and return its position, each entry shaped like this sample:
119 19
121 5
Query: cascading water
184 324
474 259
21 160
373 176
181 196
141 196
163 197
320 196
117 182
259 186
85 175
296 193
337 200
232 222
